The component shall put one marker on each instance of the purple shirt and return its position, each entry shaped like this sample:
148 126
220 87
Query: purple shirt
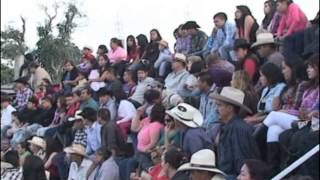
183 45
22 98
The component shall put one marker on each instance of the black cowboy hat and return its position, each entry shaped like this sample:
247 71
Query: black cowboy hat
190 25
23 80
241 43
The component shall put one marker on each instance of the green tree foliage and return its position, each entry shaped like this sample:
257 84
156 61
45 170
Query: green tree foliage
6 74
12 41
53 50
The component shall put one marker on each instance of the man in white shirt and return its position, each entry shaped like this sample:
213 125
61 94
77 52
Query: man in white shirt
6 110
80 163
179 75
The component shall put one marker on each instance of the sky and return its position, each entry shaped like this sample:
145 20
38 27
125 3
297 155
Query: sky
106 19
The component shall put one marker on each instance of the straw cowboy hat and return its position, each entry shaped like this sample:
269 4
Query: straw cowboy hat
76 149
77 116
203 160
164 43
264 38
38 141
187 115
233 96
180 57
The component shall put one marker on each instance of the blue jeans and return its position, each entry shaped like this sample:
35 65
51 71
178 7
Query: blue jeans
126 166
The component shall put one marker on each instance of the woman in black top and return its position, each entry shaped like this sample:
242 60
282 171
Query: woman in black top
246 24
152 52
69 76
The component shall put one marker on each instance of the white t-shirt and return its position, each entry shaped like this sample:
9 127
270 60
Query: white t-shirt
126 111
79 173
94 74
6 117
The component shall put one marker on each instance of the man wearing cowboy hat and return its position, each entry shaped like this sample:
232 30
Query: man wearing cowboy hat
164 59
203 166
169 99
38 147
80 163
267 49
23 93
235 142
80 135
198 37
189 121
179 75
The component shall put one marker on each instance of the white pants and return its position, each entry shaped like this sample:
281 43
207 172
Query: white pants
277 122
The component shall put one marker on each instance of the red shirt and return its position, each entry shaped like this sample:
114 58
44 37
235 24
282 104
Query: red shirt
155 173
72 109
251 67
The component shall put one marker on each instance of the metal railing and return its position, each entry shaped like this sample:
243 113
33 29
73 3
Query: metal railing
297 163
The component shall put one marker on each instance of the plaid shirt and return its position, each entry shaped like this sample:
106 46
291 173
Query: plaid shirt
183 45
80 137
11 174
198 41
22 98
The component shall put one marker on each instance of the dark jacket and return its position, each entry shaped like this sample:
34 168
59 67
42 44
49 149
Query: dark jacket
44 117
236 144
152 52
73 75
112 138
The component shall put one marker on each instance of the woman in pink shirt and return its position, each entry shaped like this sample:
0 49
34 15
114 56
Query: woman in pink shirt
118 56
293 18
117 52
148 130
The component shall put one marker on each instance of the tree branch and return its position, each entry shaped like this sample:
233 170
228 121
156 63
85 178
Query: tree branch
23 28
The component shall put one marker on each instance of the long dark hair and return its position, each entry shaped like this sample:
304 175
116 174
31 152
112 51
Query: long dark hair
142 42
245 11
268 17
158 112
134 45
273 74
314 62
63 104
158 34
52 145
298 69
103 68
33 168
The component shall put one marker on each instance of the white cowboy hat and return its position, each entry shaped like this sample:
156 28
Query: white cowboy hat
203 160
76 149
6 165
233 96
76 116
264 38
187 115
38 141
180 57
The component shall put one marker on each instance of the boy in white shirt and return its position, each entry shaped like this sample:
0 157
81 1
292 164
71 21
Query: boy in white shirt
6 110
